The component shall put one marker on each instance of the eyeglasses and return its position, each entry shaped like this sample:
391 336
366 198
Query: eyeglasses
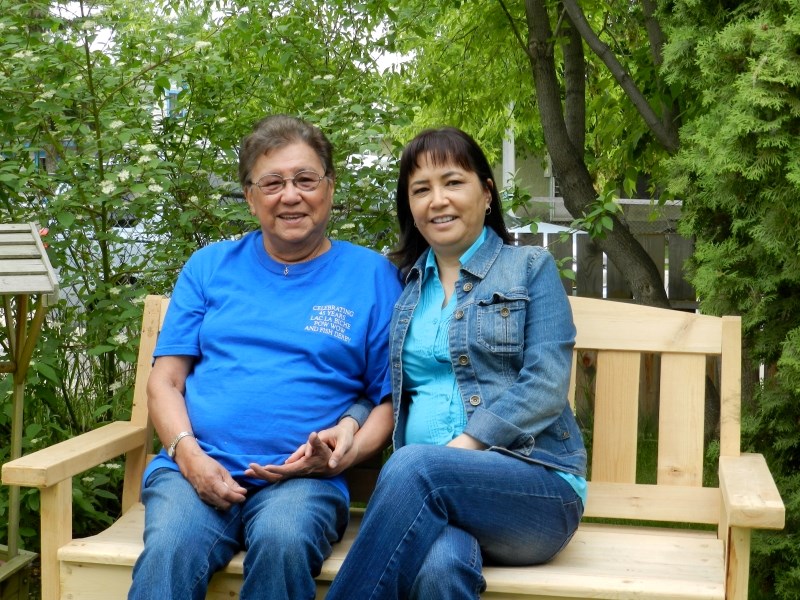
305 181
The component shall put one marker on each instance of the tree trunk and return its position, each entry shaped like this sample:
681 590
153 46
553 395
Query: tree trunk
575 180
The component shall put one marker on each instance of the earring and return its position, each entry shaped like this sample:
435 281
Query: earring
415 224
488 210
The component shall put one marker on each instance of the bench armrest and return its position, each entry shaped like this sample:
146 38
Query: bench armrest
750 497
61 461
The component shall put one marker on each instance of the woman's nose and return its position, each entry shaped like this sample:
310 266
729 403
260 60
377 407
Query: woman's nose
290 192
438 195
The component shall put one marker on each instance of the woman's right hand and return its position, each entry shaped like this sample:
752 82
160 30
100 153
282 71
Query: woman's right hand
212 482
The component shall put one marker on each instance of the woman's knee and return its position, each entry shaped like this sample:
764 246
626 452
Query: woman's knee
408 462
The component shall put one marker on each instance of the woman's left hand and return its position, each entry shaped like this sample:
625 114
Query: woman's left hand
467 442
325 454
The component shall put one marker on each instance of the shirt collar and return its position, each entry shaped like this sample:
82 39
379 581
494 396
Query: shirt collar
432 269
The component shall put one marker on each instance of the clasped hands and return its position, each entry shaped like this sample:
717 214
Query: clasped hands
325 454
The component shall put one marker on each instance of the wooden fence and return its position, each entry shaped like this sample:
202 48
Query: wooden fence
598 277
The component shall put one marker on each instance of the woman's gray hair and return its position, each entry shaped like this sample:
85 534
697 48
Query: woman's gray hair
277 131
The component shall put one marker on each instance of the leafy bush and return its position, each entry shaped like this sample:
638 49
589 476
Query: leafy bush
124 145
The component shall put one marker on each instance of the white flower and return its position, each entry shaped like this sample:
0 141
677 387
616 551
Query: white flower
155 188
111 466
120 338
114 386
23 54
114 291
193 199
117 124
88 24
107 187
172 36
145 159
124 175
348 226
48 94
201 45
149 148
87 479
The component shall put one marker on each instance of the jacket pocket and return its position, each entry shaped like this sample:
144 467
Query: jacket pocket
501 321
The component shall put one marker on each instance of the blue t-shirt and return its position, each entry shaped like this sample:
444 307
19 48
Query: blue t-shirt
280 351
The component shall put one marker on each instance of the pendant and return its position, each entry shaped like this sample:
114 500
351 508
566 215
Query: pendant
285 270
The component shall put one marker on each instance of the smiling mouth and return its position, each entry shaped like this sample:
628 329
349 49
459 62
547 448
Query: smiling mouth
292 217
439 220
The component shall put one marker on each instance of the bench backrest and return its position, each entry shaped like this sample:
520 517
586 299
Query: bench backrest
624 339
617 345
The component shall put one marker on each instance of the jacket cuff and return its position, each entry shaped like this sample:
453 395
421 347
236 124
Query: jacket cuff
358 411
487 427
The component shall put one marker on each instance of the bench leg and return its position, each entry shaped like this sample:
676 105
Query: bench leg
55 532
738 563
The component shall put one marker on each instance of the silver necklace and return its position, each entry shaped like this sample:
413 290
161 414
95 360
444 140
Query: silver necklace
317 252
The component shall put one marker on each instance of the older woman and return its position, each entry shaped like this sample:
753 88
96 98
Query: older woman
489 463
266 341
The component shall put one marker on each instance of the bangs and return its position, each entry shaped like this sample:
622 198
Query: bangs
441 147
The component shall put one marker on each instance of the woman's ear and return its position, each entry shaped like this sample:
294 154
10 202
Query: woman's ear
488 191
248 196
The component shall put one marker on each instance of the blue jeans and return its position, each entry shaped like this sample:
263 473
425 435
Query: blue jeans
438 512
287 528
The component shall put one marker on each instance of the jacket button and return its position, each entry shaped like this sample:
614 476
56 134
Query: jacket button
463 359
474 400
459 314
467 287
504 312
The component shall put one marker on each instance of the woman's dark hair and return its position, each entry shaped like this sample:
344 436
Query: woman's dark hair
277 131
443 146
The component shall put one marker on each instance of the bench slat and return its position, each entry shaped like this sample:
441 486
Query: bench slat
653 503
623 326
681 416
616 413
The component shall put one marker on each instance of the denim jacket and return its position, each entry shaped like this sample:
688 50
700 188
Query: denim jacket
511 341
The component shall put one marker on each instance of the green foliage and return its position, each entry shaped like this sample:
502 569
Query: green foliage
467 66
120 123
598 221
738 174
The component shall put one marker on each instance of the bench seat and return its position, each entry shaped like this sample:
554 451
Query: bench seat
602 561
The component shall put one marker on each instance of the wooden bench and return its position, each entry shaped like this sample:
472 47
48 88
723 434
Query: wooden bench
620 551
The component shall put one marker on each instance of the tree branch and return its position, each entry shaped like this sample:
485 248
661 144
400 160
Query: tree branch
667 136
577 186
514 29
654 32
574 87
